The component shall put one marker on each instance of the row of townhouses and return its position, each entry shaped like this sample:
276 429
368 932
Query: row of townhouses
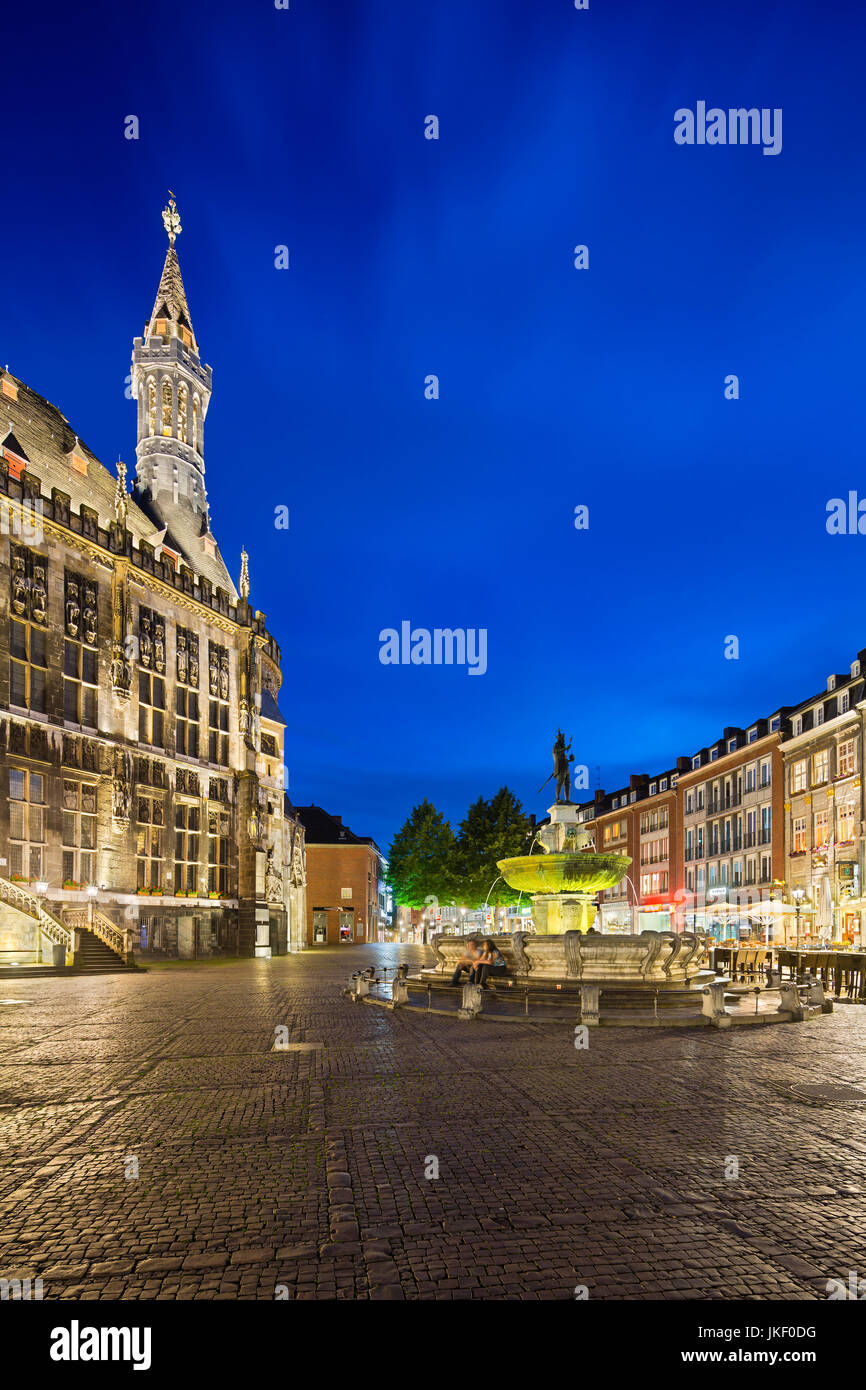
760 834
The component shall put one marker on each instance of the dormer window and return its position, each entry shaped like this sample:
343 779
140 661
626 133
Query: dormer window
160 327
76 460
819 714
8 387
652 789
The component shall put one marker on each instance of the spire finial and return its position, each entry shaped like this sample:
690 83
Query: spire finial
171 219
120 496
245 575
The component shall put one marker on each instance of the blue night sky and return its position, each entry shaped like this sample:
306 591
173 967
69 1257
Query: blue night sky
558 387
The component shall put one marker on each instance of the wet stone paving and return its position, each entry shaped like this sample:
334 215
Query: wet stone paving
154 1145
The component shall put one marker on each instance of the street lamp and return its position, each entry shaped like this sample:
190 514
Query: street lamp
798 895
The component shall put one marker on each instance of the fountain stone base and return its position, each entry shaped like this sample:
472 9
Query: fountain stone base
555 913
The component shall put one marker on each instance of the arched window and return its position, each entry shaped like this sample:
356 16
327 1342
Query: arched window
151 406
166 406
196 425
182 406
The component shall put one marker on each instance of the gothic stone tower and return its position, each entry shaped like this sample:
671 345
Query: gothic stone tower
173 388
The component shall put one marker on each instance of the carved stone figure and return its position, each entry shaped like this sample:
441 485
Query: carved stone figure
182 668
159 646
298 875
38 595
73 610
19 583
214 673
244 717
255 824
121 785
145 639
121 672
224 677
193 661
273 880
89 619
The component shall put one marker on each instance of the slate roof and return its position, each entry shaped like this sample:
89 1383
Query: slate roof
270 708
171 296
324 829
44 436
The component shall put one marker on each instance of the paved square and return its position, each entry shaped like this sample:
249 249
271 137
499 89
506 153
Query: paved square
307 1172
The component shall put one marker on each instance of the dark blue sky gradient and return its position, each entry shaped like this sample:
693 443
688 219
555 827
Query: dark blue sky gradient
455 257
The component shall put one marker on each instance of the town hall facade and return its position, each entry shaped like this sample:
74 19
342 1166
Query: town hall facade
141 739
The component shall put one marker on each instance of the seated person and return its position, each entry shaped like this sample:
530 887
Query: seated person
468 960
491 963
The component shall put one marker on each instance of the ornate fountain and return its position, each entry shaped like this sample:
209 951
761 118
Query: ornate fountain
564 879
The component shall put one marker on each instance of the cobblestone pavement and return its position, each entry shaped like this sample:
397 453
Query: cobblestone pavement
301 1173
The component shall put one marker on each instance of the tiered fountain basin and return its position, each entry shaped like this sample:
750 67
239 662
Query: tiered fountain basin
563 886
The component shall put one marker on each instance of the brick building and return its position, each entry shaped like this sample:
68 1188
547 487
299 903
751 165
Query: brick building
141 743
639 820
347 896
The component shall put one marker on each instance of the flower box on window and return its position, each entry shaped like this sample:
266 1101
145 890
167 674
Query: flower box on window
71 885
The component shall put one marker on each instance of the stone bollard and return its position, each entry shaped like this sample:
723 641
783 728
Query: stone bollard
774 977
399 993
815 995
589 997
470 1004
362 987
713 1006
791 1000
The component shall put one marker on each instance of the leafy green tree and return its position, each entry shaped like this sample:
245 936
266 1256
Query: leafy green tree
492 830
421 858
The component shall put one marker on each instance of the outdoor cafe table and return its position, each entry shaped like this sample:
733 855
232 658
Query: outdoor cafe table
833 962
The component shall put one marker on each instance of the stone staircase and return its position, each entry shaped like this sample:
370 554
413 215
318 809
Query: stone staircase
93 957
103 946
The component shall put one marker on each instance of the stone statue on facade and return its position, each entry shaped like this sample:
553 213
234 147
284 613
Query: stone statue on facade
121 786
73 610
273 880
